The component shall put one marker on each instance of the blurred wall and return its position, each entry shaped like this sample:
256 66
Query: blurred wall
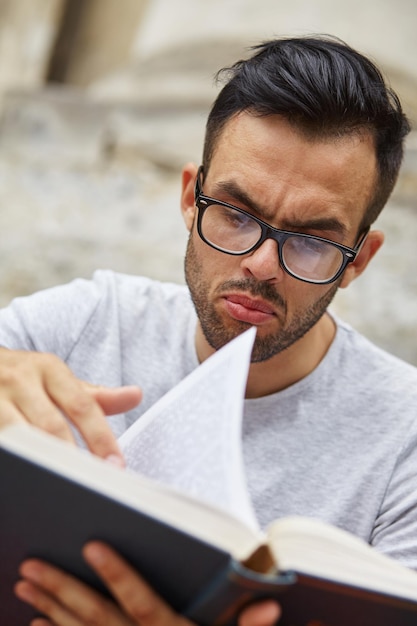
27 33
99 41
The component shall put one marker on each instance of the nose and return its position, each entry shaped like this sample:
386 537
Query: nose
263 263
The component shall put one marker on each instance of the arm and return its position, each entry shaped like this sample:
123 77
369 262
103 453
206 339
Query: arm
64 600
395 529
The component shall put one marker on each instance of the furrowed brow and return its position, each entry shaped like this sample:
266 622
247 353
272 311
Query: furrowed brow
324 224
233 190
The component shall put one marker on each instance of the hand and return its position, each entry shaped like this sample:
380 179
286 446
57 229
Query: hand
66 601
40 389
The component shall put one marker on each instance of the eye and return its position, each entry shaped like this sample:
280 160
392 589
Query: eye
234 218
307 245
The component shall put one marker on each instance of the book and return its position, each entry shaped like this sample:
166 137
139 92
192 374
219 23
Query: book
185 521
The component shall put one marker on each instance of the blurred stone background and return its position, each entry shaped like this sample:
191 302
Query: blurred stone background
101 103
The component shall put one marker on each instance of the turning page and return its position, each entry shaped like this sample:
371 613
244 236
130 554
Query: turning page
191 438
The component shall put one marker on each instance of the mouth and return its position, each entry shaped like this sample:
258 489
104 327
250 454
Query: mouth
250 310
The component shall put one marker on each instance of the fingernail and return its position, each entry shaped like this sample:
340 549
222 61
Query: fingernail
31 570
23 591
94 554
116 460
271 611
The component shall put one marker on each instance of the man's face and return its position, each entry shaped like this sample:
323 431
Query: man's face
262 165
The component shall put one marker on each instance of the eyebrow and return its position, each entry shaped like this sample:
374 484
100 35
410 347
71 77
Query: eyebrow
233 190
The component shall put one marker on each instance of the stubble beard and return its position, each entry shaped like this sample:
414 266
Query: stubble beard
212 324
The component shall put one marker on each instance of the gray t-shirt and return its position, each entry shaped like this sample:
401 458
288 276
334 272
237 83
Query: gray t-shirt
339 445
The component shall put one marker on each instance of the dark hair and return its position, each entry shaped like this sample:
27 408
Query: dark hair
325 89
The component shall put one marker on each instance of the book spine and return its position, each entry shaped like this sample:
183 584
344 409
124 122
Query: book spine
222 601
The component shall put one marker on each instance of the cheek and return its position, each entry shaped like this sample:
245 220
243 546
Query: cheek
207 261
301 297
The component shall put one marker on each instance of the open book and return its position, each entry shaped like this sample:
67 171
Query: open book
186 521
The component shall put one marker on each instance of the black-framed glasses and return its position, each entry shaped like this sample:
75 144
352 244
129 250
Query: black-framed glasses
231 230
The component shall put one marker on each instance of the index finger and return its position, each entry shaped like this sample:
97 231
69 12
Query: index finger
83 411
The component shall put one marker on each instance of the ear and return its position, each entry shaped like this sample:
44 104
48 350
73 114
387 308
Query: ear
372 244
188 207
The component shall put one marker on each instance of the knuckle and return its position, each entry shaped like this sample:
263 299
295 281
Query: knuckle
52 367
54 426
43 362
9 377
17 366
80 405
45 604
100 440
47 359
95 615
145 612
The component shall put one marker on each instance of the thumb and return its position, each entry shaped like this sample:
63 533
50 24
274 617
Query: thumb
263 613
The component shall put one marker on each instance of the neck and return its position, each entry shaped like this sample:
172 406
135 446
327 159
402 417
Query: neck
292 364
287 367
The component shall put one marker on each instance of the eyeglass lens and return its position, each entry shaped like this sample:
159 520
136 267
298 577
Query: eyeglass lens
235 232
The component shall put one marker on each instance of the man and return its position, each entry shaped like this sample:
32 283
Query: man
302 150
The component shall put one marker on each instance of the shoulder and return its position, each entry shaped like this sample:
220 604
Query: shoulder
122 284
370 366
154 318
135 304
137 296
108 299
103 288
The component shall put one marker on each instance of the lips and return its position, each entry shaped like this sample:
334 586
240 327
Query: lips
246 309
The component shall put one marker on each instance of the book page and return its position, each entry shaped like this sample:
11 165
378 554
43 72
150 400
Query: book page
191 438
315 548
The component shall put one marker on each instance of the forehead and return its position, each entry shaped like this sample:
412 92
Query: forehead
290 174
